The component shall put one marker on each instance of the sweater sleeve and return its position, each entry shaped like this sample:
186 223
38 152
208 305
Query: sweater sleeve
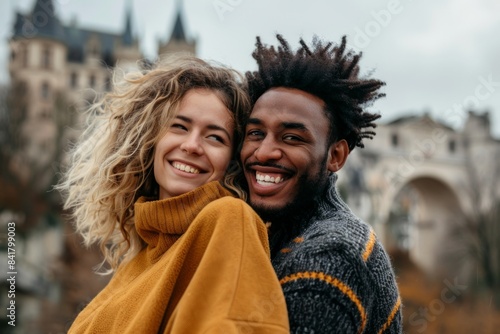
234 288
336 289
327 293
311 312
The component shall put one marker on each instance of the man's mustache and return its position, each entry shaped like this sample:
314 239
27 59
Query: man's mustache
269 164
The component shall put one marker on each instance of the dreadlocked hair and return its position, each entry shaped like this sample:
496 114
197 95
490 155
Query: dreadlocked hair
327 71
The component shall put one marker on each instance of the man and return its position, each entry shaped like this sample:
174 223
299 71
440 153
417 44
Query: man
309 113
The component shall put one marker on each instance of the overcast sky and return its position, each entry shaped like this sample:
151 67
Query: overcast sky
442 57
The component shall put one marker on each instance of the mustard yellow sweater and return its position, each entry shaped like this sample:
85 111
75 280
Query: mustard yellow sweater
206 269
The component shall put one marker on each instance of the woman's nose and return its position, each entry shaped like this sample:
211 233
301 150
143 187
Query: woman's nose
192 144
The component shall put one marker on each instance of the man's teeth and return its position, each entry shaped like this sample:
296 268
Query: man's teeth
186 168
266 179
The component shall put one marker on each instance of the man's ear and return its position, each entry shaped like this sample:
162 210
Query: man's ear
337 155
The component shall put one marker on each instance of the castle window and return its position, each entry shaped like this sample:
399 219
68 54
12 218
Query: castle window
45 114
74 80
94 50
12 56
23 51
46 58
92 81
451 146
93 46
108 84
394 140
45 91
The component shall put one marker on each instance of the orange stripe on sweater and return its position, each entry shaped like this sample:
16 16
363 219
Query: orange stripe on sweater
336 283
298 240
391 316
369 246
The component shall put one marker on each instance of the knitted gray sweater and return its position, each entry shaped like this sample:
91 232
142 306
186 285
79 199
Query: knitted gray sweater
336 276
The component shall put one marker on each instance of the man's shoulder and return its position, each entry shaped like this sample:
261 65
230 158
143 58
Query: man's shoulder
339 231
324 242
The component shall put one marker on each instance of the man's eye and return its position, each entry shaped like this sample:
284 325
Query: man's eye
254 133
292 138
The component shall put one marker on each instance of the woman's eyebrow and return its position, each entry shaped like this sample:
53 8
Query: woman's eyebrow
210 126
184 118
220 128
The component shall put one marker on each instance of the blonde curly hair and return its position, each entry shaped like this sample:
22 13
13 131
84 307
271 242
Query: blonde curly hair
112 164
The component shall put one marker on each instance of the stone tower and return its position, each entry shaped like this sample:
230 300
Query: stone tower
178 41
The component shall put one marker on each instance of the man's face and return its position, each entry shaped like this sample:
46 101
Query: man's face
285 153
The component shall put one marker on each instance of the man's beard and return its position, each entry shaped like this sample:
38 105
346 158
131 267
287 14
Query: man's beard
303 203
288 220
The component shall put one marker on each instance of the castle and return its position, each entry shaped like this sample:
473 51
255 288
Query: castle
50 60
55 70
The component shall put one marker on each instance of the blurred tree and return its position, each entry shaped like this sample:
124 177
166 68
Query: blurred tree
29 169
478 237
483 224
32 150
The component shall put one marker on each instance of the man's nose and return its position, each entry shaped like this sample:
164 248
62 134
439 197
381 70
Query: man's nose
268 150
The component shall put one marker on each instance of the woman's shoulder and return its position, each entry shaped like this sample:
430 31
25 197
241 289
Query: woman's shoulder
230 210
228 203
231 217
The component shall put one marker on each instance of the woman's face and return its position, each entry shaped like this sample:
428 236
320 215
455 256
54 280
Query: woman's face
197 147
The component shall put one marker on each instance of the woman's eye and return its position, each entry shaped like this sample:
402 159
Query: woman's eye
178 126
216 138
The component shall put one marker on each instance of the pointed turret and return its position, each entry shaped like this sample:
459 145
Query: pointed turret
18 24
127 38
42 22
127 51
178 41
178 32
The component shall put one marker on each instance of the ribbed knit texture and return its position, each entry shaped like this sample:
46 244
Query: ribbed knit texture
336 276
205 269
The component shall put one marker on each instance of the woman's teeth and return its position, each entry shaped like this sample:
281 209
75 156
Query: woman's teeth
185 168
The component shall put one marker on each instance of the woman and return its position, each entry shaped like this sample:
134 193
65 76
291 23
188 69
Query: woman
146 184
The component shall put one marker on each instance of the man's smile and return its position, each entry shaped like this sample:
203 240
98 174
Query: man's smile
268 179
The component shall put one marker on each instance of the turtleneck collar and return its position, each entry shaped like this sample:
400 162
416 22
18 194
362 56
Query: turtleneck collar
331 201
161 222
284 230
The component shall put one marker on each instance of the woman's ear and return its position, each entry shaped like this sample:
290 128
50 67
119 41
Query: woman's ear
337 155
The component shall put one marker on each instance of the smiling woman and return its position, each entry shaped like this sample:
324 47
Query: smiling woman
152 182
197 147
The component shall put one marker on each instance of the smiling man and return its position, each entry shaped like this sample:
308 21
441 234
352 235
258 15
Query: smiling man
308 115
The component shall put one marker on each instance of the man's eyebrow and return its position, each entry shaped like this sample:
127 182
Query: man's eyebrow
285 125
294 125
254 121
210 126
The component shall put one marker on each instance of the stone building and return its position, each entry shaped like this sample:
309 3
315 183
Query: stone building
52 58
424 187
57 68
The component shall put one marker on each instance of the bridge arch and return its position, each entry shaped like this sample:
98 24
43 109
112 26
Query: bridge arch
423 213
